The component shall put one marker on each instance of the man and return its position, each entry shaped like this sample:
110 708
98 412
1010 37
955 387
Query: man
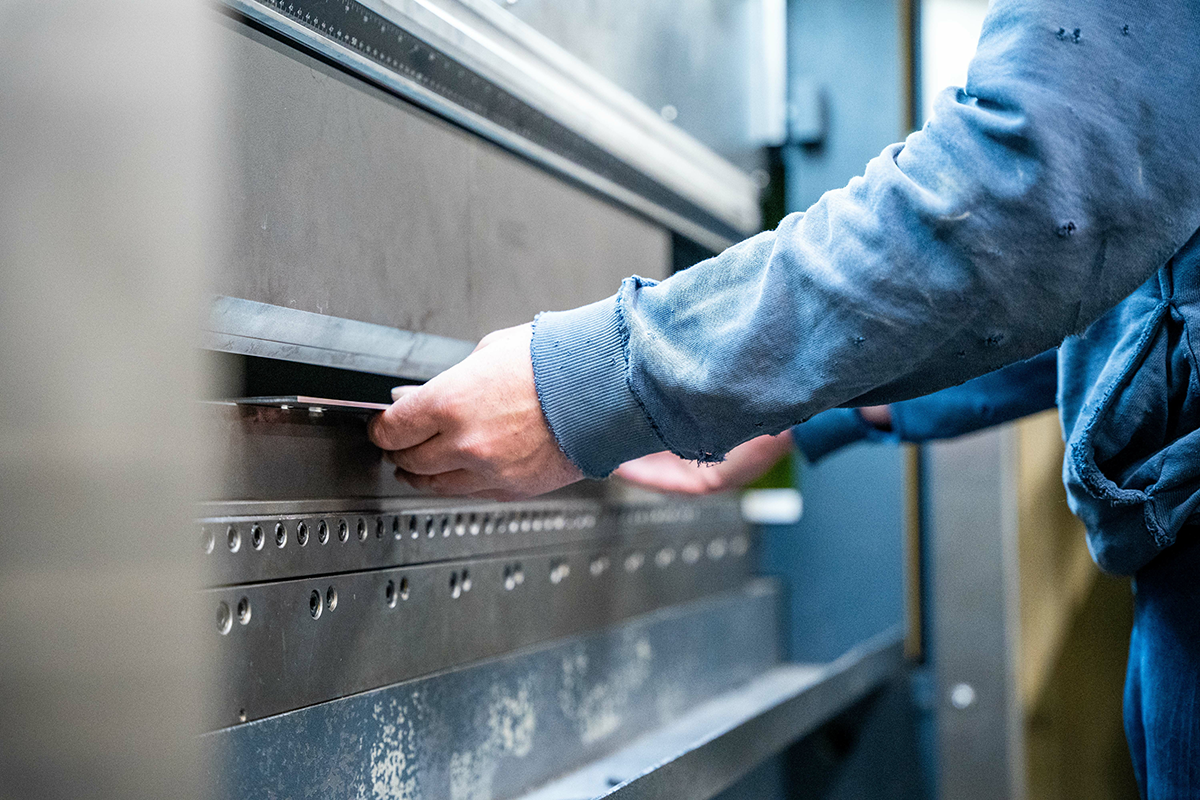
1052 202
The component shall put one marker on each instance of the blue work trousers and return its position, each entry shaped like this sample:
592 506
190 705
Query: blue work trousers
1162 685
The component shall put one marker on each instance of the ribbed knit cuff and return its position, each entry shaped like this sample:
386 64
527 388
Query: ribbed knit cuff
579 368
832 430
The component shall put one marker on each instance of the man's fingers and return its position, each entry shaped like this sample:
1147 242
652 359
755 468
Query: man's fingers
434 455
456 483
406 423
401 391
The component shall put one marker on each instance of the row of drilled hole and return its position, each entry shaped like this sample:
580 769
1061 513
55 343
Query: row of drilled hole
429 524
512 577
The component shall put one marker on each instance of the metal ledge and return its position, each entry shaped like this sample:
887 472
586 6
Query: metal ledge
706 751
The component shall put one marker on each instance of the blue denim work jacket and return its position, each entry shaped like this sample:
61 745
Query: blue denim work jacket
1048 203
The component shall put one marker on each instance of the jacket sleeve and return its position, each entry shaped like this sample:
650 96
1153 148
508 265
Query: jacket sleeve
1015 391
1037 197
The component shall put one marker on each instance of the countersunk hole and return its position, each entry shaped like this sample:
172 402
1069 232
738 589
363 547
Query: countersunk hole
314 604
256 537
207 540
389 594
302 533
455 587
331 598
241 715
322 531
343 531
243 610
280 535
234 539
362 529
466 581
379 527
404 588
224 618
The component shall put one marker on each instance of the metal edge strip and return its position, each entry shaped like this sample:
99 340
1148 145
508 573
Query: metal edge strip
247 327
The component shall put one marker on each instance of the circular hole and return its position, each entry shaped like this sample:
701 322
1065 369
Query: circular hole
362 529
445 526
537 523
314 604
280 535
664 557
716 549
634 561
488 524
466 581
207 540
429 526
598 566
343 530
224 618
526 522
234 539
455 588
691 553
518 574
243 610
460 527
395 527
302 533
331 598
322 531
241 715
389 594
404 588
473 525
379 527
256 537
412 527
509 582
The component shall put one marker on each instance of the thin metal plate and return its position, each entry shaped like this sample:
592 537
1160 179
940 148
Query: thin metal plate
503 726
313 405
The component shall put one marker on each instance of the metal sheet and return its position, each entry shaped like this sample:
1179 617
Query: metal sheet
314 406
479 67
707 750
323 538
352 203
499 728
288 644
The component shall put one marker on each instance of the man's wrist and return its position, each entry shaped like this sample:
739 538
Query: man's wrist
580 364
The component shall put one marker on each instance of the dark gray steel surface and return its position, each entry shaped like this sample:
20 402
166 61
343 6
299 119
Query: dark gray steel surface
712 746
474 64
316 538
971 509
245 327
350 202
289 644
496 729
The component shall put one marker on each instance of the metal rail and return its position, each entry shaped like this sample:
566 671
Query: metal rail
707 750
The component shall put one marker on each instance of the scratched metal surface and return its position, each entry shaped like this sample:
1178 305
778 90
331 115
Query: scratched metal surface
497 729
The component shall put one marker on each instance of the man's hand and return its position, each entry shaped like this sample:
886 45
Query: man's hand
477 429
667 472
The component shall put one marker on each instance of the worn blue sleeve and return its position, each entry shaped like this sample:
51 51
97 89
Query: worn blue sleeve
1012 392
1038 196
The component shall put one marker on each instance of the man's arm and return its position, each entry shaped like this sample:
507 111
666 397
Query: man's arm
1015 391
1037 197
